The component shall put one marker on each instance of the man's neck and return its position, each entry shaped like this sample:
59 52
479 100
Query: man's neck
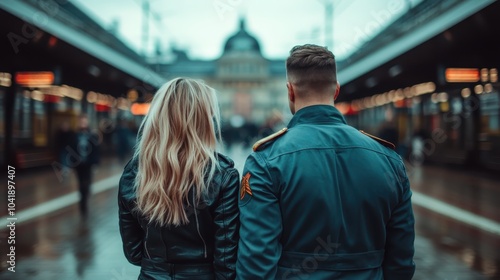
303 104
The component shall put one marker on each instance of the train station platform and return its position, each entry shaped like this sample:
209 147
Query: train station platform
457 215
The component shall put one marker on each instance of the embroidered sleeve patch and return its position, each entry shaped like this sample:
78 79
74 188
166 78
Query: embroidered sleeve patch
245 186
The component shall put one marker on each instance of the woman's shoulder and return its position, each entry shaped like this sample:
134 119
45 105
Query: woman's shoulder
127 180
225 162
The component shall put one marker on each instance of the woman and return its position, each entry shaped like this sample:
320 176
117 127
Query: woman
178 198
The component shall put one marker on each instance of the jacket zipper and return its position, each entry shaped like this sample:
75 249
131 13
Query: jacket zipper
198 228
145 243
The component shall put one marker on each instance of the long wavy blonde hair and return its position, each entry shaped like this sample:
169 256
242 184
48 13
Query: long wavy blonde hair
176 150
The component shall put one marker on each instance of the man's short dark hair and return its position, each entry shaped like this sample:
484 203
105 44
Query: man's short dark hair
311 67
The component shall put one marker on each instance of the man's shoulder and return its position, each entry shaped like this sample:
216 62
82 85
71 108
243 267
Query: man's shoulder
381 141
264 142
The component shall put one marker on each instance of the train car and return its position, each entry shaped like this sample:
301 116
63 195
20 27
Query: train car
455 123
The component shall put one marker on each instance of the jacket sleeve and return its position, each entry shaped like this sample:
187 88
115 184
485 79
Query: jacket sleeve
227 225
399 249
130 230
259 248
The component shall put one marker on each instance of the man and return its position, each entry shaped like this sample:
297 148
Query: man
86 148
320 199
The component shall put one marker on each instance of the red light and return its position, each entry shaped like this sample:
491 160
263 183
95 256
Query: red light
51 98
101 108
52 41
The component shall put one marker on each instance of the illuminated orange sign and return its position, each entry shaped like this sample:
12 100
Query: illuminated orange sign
462 75
32 79
140 109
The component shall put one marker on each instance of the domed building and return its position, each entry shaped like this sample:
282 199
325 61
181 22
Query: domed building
250 87
242 41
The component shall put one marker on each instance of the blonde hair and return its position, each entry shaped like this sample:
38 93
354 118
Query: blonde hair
176 150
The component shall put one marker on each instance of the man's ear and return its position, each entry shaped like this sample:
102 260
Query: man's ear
337 91
291 93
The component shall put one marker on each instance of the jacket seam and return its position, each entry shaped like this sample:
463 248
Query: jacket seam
336 149
223 189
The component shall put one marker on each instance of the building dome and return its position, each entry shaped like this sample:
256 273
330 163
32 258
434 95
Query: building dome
242 41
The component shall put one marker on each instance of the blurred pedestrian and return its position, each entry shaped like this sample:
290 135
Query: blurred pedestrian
178 197
86 147
123 139
64 139
320 199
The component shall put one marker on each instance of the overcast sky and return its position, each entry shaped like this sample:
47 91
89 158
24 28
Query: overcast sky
202 26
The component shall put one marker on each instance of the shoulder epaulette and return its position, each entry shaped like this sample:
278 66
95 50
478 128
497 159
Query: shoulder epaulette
380 140
273 136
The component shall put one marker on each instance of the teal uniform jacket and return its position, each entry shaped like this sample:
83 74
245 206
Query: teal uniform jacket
325 201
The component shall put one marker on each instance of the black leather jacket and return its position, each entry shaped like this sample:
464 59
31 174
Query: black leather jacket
205 248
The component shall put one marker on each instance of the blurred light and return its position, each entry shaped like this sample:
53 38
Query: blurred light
5 79
367 102
488 88
448 36
49 98
371 82
395 70
385 98
379 100
356 105
91 97
416 100
94 70
434 98
112 101
373 101
442 97
399 95
466 92
478 89
493 75
52 41
72 92
409 92
351 110
399 103
424 88
462 75
27 94
37 95
132 95
392 95
343 107
444 106
140 109
237 121
101 107
34 79
409 103
123 104
484 75
104 99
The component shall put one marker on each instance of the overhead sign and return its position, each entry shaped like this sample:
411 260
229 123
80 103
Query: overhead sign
34 79
462 75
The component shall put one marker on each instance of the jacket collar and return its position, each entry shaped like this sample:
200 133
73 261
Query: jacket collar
317 114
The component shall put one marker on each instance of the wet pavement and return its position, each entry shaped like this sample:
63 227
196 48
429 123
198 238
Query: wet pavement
61 245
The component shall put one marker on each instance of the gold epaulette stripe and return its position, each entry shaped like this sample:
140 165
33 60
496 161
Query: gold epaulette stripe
380 140
268 138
